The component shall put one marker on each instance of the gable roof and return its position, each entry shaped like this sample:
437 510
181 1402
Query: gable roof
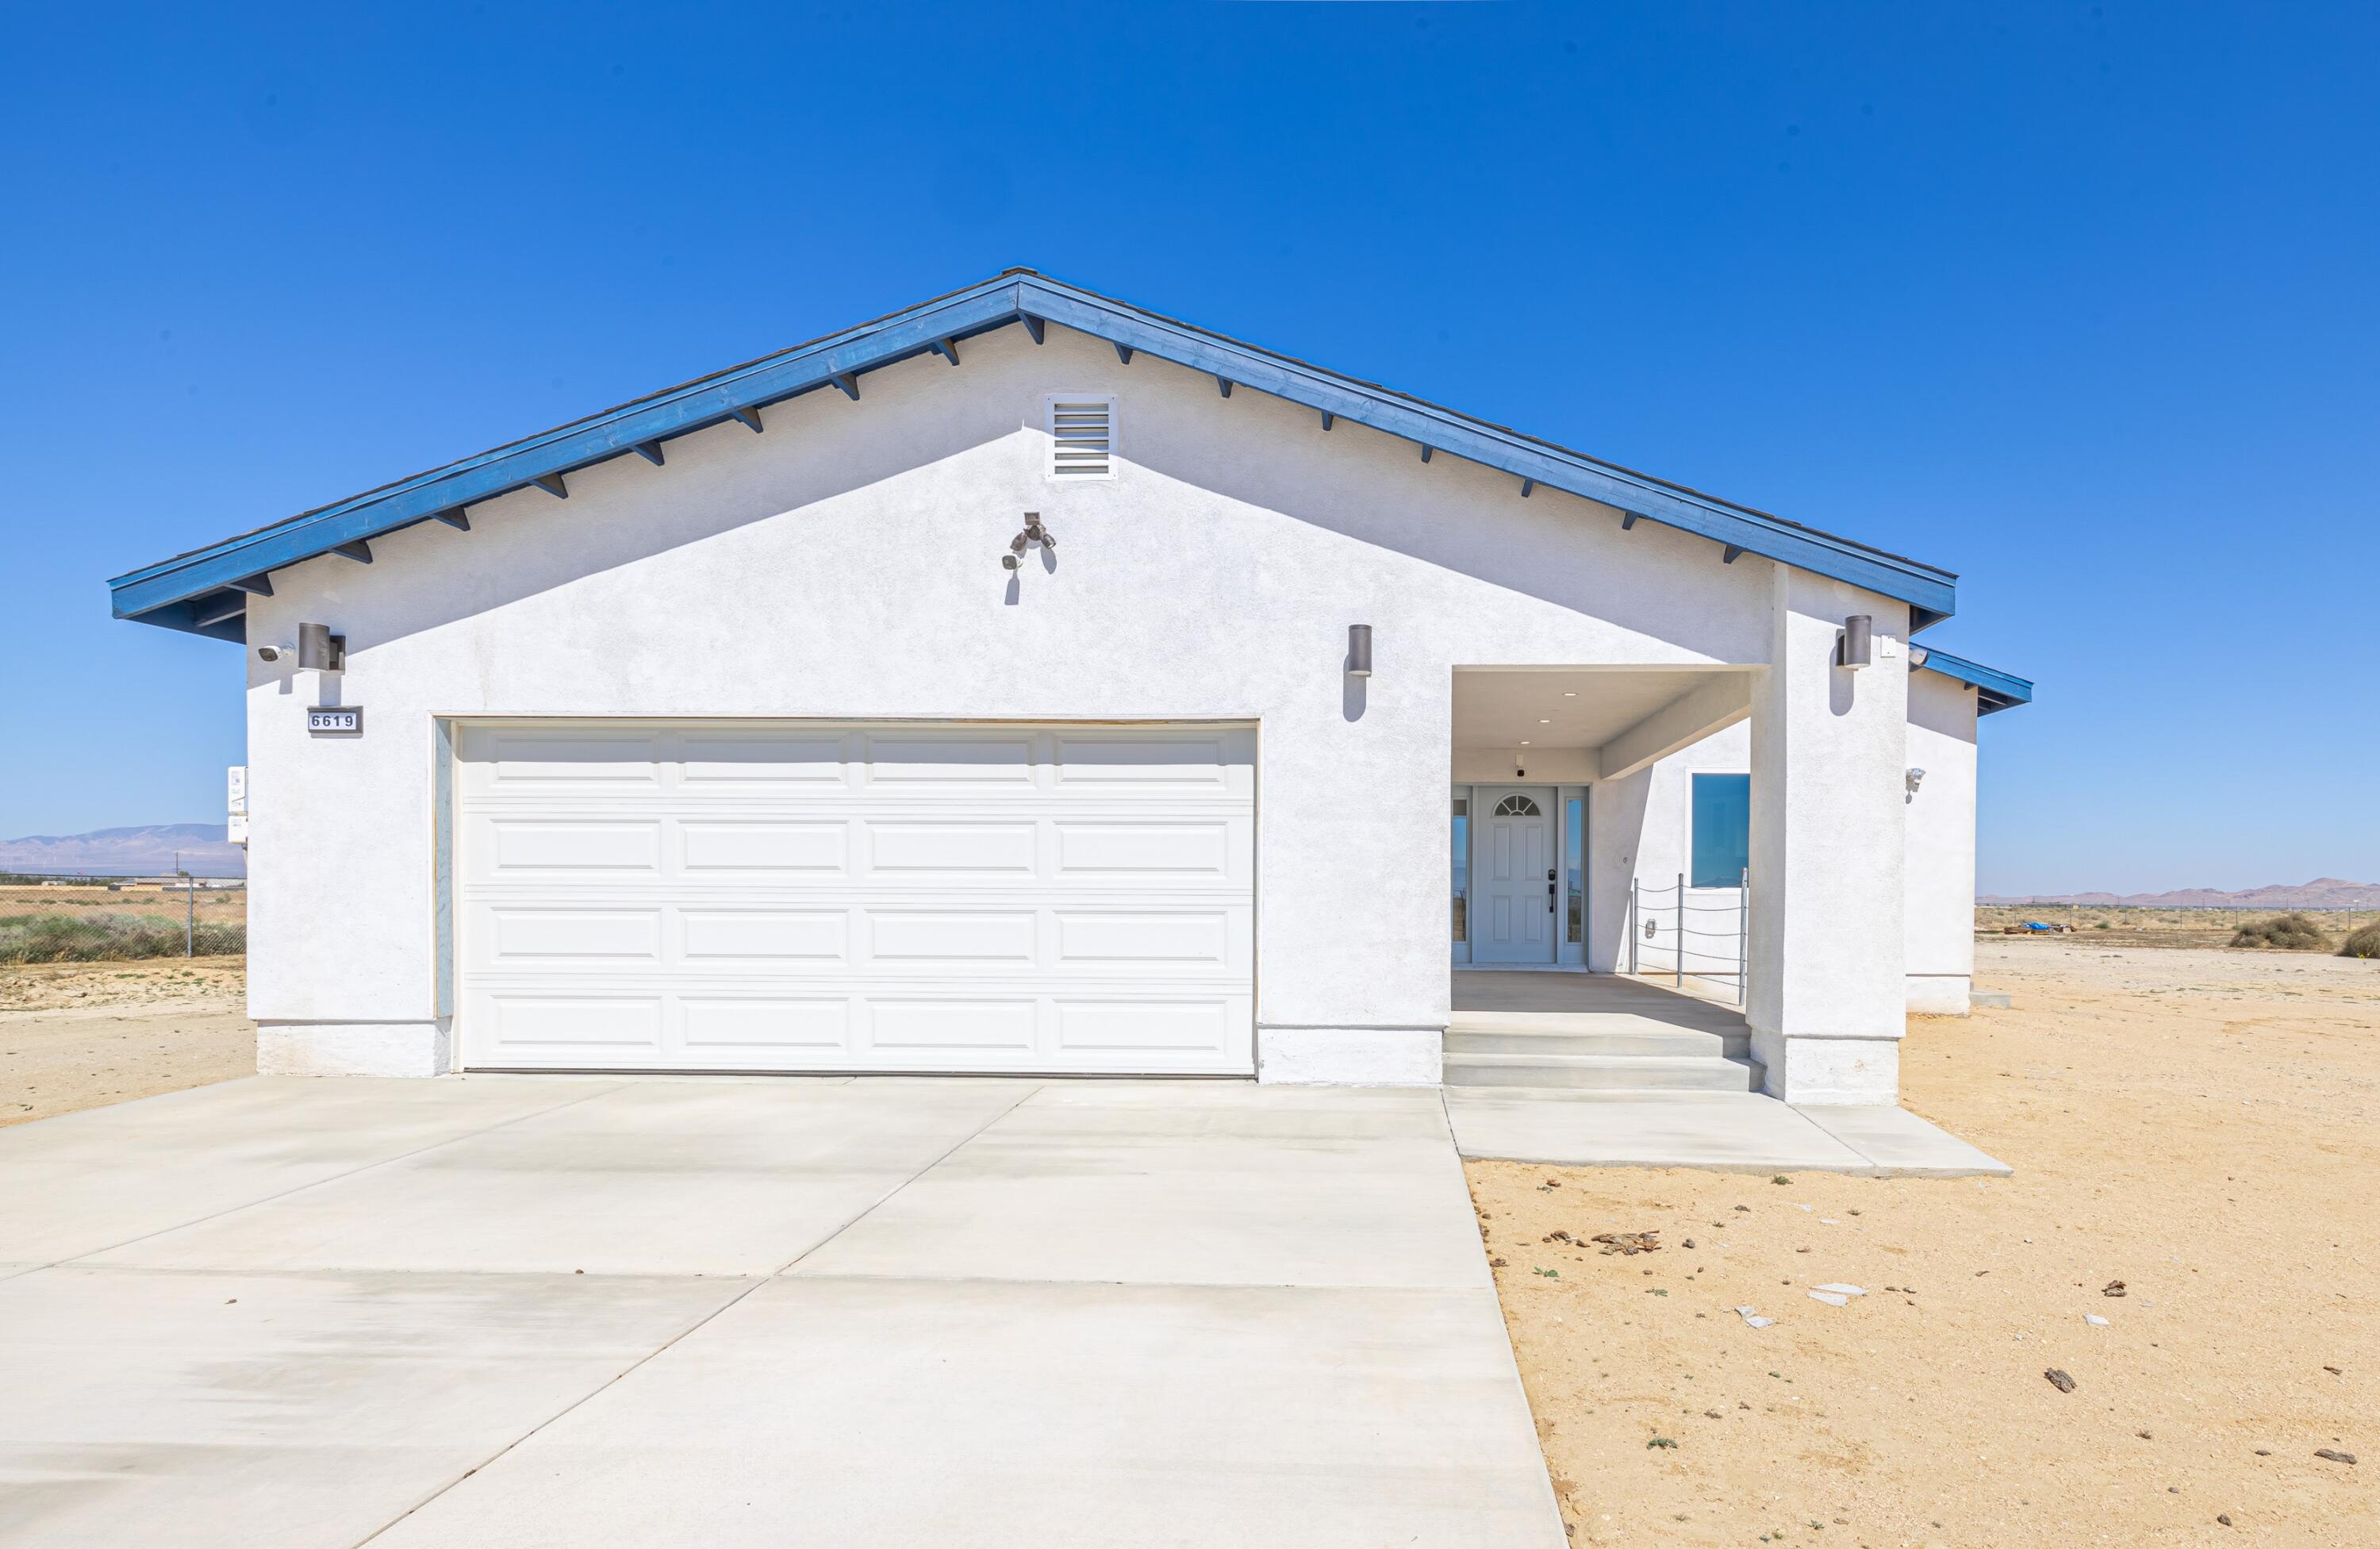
205 591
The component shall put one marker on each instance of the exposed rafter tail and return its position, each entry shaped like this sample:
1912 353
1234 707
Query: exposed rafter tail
551 485
651 451
1033 325
455 518
849 382
1328 419
225 608
748 418
1732 554
1223 385
948 349
1425 451
255 586
1124 354
1527 485
358 551
1627 520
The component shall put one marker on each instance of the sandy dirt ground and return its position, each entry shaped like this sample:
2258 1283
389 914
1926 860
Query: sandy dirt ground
77 1035
2202 1126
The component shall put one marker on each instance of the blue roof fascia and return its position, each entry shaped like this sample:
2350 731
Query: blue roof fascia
148 594
1995 689
162 593
1930 592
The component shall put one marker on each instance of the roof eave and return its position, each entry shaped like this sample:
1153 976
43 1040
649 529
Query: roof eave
162 593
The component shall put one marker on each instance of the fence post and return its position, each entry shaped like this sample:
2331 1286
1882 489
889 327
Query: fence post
1678 954
1743 933
190 915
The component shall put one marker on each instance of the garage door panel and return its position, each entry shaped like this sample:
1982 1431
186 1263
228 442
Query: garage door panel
1104 1029
818 897
574 1031
912 1030
739 1033
530 845
545 934
743 758
1116 938
770 937
1171 849
939 759
528 761
723 845
959 938
970 850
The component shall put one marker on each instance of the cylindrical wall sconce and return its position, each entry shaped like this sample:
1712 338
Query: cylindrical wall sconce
1855 646
1359 651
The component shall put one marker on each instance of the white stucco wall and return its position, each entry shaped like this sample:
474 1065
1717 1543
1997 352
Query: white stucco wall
1645 827
845 565
1941 844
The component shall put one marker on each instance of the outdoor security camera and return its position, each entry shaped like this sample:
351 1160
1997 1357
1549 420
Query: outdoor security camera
1916 778
276 652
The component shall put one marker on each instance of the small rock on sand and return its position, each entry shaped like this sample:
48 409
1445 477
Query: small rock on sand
2059 1380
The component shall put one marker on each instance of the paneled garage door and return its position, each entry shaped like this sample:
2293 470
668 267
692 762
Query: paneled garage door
720 895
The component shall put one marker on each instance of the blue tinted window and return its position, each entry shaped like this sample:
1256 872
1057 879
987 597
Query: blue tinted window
1722 829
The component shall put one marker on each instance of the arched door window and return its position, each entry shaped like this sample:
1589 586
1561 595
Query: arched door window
1517 807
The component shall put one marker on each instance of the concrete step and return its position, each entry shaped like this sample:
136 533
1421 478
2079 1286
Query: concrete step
1647 1039
1603 1073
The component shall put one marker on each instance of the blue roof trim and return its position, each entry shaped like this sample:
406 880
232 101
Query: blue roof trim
1995 689
165 594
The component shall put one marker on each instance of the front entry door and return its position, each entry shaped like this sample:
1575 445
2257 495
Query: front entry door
1512 896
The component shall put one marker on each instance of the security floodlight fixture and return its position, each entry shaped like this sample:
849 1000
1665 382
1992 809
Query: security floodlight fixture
1916 778
1034 533
1855 646
1359 651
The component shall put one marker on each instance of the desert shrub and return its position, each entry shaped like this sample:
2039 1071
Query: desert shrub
2290 932
2364 943
101 938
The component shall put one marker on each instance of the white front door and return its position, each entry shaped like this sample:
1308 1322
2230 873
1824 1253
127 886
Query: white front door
1512 892
790 895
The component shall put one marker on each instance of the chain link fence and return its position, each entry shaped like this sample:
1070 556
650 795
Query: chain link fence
115 919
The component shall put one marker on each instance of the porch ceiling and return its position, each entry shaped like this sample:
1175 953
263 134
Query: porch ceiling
1562 707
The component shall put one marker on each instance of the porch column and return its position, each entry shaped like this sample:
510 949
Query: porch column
1828 931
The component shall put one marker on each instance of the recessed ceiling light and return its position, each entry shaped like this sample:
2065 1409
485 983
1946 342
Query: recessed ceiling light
1543 722
1524 743
1570 693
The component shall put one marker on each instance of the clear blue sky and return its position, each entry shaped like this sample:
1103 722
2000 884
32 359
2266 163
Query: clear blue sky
2077 301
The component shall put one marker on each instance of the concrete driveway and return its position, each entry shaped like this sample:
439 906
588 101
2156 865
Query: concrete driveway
570 1311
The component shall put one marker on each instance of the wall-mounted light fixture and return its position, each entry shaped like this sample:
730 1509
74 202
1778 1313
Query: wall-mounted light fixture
1855 644
1359 651
1914 779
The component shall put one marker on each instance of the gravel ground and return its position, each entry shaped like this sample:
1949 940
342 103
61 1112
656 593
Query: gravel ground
79 1035
2199 1125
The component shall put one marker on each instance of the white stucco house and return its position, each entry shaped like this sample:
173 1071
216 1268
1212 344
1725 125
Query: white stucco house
1028 682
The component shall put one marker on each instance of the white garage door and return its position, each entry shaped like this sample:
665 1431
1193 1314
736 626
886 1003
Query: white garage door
718 895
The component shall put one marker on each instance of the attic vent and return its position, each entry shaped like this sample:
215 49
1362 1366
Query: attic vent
1082 437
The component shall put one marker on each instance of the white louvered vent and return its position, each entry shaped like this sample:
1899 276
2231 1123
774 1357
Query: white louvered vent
1082 436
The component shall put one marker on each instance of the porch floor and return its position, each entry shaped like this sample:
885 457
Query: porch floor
1614 1002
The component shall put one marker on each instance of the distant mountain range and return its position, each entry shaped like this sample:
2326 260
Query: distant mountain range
145 851
2320 893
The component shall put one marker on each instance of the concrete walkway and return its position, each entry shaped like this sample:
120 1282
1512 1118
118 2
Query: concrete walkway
1728 1131
572 1310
